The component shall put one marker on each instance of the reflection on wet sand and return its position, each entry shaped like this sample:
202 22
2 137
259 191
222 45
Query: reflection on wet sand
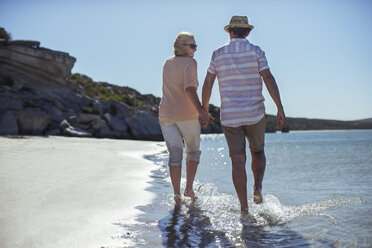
270 236
189 227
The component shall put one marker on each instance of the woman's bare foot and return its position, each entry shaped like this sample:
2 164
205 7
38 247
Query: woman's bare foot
190 193
257 197
177 199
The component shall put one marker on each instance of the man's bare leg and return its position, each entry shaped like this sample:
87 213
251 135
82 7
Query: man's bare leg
175 174
258 169
239 176
191 168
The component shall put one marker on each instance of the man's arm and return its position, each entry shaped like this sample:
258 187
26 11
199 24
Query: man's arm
193 95
207 90
206 95
273 89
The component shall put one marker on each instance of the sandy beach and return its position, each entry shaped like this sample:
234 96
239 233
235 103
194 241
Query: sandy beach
86 192
71 192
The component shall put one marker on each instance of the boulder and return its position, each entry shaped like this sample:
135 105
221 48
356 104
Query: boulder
54 113
77 132
211 128
53 132
72 120
106 132
115 108
9 103
8 124
97 107
98 124
115 123
32 121
87 118
144 126
74 101
64 124
69 130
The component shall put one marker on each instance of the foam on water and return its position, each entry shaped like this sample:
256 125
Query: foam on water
223 209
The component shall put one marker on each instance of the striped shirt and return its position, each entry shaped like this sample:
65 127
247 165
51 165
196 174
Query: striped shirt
237 66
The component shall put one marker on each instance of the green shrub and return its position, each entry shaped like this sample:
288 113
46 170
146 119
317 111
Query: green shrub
129 101
106 91
89 110
4 34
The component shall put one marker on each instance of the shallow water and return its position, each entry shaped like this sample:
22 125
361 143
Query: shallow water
317 193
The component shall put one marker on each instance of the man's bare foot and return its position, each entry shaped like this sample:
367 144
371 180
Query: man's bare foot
246 218
257 197
244 211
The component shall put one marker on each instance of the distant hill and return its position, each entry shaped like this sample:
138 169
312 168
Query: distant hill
369 120
318 124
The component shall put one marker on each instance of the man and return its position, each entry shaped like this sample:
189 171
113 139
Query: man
239 67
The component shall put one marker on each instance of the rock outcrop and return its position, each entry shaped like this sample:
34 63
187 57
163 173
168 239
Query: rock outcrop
40 96
44 70
8 123
37 97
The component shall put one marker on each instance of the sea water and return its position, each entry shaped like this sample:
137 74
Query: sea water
317 192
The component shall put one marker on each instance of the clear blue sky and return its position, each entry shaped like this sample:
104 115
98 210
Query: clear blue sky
319 51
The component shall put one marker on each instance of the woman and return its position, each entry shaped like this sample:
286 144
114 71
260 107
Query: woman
179 111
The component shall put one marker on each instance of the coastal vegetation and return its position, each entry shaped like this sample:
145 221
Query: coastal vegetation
4 34
106 91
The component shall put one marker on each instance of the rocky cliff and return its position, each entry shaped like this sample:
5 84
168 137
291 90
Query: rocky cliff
38 97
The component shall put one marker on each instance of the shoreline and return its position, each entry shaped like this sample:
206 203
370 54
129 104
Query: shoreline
90 205
66 191
157 141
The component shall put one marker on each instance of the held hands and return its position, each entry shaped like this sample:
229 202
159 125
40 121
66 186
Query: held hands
205 118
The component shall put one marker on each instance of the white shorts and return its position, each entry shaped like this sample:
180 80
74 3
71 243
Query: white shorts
178 133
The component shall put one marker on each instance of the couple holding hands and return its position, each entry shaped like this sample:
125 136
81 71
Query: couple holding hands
240 68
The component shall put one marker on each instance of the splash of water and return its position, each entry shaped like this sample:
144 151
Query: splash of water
223 209
214 218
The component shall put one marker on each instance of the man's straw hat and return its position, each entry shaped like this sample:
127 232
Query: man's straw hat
238 22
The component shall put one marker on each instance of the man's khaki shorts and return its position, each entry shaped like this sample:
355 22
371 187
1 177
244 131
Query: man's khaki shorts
235 137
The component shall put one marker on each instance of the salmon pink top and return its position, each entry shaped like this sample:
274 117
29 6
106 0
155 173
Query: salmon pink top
179 73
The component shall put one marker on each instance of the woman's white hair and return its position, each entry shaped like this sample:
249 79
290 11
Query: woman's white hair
181 39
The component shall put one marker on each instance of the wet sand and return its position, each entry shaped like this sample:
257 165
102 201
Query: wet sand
70 192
